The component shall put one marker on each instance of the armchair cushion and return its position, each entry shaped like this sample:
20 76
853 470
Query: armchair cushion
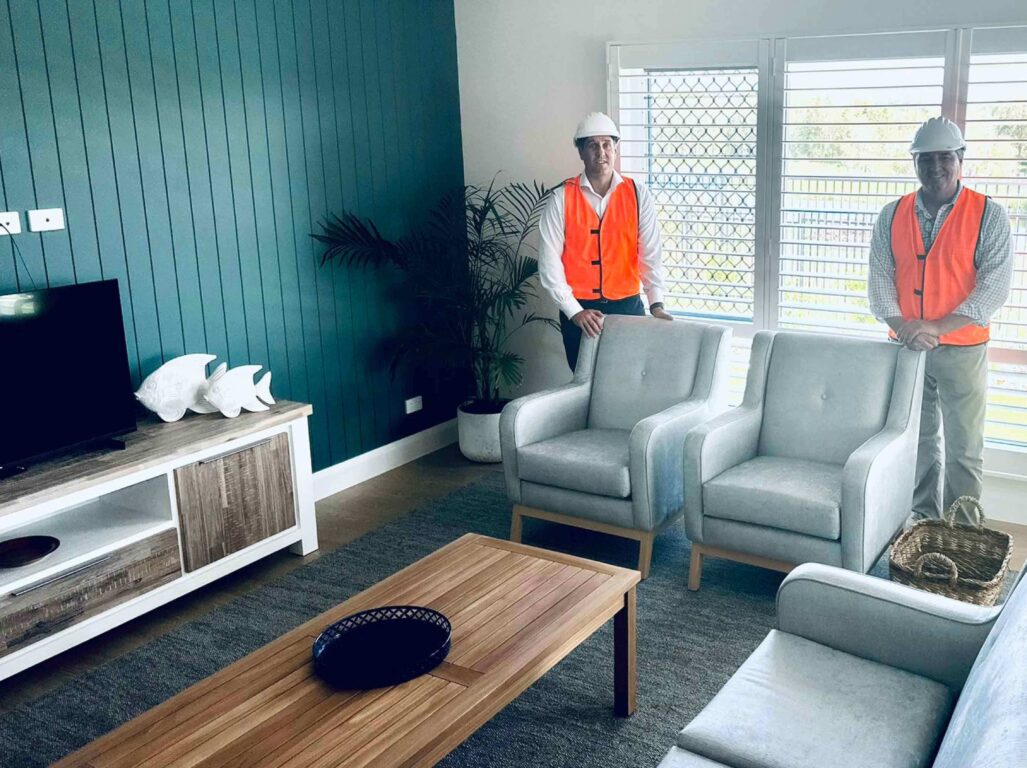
588 460
790 494
637 375
797 704
825 395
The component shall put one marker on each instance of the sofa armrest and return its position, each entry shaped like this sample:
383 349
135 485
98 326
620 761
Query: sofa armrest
656 447
882 621
877 494
712 448
538 417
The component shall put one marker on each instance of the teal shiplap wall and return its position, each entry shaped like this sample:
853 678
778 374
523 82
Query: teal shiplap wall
195 144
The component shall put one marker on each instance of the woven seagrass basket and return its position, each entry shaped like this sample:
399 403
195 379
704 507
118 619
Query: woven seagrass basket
966 562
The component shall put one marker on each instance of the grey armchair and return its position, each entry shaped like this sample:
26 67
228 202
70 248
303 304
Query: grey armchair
604 452
816 465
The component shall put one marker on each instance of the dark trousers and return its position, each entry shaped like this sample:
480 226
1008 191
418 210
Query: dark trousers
632 305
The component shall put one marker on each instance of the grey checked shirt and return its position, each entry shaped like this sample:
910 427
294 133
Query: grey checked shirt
993 259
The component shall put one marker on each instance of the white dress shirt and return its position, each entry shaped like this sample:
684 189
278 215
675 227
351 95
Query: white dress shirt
550 252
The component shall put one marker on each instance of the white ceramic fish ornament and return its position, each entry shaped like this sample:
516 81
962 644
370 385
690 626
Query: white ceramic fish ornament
231 391
177 386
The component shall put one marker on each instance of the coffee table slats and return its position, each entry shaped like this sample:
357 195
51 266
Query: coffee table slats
506 601
360 709
337 745
388 733
540 618
517 614
485 699
198 698
221 722
480 587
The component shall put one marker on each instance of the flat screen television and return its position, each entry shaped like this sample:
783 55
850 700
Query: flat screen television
64 376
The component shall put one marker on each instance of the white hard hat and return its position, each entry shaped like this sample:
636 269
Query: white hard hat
596 124
938 134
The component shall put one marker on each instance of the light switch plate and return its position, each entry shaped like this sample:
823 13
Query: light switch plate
413 405
46 219
11 223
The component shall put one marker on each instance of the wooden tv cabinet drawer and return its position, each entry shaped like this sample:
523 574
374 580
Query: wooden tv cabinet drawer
228 502
34 611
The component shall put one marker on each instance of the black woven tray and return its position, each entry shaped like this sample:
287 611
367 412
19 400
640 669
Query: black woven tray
14 553
381 647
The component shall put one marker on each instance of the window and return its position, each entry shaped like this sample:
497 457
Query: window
697 153
846 131
996 164
770 160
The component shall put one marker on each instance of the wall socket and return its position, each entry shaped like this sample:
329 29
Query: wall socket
413 404
46 219
11 221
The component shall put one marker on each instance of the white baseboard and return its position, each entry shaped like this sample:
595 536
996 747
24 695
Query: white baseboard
1004 496
348 473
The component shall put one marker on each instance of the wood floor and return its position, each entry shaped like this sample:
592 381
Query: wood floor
340 519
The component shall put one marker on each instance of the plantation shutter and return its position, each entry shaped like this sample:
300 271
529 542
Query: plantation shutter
996 164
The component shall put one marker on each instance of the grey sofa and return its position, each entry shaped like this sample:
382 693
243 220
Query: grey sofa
816 465
865 673
604 452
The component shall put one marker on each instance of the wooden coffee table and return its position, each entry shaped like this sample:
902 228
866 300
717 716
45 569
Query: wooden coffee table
516 611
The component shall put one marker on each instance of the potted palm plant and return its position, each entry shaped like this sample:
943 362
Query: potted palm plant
468 272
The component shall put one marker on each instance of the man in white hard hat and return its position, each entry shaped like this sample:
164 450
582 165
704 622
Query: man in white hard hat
941 263
599 241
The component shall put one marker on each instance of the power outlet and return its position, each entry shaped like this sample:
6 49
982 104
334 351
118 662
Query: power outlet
10 223
413 405
46 219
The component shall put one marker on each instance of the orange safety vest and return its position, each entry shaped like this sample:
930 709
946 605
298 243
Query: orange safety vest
932 284
600 256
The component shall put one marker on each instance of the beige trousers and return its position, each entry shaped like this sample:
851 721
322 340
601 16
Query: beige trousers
950 458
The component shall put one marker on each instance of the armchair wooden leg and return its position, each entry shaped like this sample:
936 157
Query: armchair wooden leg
515 525
695 568
645 553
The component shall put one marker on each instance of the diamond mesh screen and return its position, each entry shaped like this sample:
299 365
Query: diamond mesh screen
691 136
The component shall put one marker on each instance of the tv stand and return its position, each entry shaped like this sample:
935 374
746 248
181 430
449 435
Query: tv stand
178 506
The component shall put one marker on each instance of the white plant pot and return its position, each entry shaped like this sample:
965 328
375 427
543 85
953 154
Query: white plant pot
479 436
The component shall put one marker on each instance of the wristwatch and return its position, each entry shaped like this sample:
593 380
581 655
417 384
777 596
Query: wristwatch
654 306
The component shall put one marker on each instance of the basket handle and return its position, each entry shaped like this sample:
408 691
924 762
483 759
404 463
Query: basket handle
941 562
975 504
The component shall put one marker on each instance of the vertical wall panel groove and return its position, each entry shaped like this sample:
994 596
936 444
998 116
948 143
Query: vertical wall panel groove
19 173
195 145
346 280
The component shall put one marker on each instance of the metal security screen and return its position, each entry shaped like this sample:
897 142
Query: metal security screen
996 164
846 128
691 135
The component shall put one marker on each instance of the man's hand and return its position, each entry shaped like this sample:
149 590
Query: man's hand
922 342
908 332
661 313
590 321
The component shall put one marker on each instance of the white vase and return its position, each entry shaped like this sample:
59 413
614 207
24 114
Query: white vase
479 435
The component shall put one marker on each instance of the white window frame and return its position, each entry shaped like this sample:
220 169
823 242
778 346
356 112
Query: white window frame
770 55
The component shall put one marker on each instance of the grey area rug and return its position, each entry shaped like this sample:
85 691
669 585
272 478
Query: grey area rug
689 644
